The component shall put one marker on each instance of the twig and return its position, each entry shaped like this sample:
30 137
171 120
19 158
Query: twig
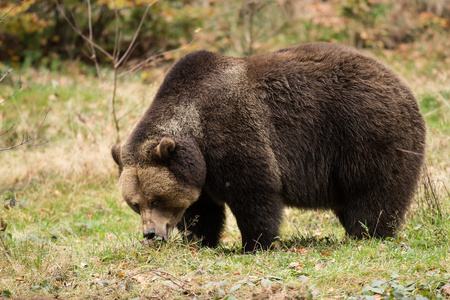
113 106
94 56
74 28
159 274
28 140
6 74
127 52
376 225
116 41
14 6
12 95
147 60
436 204
1 134
118 59
129 111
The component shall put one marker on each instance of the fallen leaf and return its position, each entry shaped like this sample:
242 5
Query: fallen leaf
301 251
103 283
235 288
142 279
446 289
303 278
319 266
275 288
266 282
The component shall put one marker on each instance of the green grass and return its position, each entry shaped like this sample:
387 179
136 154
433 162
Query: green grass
76 237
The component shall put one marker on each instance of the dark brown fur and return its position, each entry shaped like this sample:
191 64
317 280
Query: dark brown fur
316 126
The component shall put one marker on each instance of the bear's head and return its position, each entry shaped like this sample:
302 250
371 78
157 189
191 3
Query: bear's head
159 180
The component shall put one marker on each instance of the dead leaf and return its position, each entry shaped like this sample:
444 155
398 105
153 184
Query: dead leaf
275 288
142 279
446 289
301 251
319 266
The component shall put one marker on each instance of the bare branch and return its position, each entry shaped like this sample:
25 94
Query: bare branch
14 6
149 59
116 41
12 95
113 106
6 74
29 139
10 128
74 28
94 56
163 275
135 34
131 110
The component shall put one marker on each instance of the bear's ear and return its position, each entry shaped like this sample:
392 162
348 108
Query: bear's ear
115 151
164 150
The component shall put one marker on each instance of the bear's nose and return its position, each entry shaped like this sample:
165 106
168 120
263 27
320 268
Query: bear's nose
149 234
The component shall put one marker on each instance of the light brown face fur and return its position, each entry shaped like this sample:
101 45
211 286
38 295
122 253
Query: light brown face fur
155 194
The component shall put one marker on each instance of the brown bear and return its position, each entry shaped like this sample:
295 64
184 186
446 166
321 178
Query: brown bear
317 126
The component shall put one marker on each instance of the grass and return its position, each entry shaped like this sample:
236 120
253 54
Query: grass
76 238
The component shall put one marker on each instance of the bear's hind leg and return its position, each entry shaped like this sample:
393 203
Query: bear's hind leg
362 219
204 220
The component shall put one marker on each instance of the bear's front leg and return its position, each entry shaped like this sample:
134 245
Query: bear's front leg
204 220
259 220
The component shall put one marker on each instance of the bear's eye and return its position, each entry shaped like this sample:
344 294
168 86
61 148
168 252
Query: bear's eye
135 207
154 203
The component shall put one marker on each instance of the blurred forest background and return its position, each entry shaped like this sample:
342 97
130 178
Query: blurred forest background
36 33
